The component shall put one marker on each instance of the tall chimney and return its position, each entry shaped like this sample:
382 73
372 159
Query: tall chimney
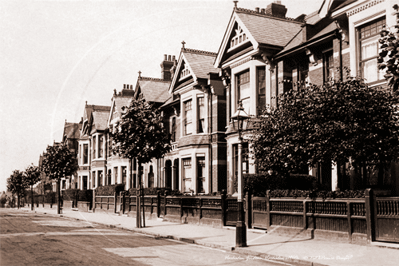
166 65
276 9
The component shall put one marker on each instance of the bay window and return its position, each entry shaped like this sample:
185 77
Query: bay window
188 117
368 36
201 174
201 115
328 65
243 90
187 174
173 130
85 153
101 147
261 87
94 147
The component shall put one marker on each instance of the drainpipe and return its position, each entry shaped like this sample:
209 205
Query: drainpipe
210 179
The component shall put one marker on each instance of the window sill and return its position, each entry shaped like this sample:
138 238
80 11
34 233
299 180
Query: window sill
376 83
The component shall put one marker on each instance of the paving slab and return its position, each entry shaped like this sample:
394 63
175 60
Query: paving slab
296 250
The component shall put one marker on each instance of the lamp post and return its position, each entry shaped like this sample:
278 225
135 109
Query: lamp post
241 229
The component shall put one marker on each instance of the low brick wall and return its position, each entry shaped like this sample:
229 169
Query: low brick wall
67 205
84 206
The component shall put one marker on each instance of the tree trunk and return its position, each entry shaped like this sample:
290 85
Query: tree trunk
18 199
31 196
138 204
58 197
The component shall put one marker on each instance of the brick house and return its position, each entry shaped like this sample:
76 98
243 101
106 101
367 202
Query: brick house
92 147
155 92
70 138
245 58
194 115
257 65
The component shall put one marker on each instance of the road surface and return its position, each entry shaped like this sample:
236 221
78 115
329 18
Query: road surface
40 239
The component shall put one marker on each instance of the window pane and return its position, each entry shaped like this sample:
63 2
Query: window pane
370 70
188 117
187 174
201 174
94 147
244 91
189 128
261 81
369 48
246 105
100 150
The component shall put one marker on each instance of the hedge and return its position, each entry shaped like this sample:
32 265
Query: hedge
257 184
109 190
85 195
278 193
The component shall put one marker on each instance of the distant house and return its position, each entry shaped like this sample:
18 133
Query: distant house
70 138
92 147
118 169
155 92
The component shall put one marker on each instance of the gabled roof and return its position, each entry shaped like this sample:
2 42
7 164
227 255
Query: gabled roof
91 108
267 29
313 18
153 89
260 29
199 62
298 40
100 119
88 117
329 6
71 130
117 103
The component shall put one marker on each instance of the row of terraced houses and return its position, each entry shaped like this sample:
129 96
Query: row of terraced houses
263 54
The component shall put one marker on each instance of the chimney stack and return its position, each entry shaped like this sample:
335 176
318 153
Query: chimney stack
166 66
257 9
276 9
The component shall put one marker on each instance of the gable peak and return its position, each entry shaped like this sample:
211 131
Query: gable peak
195 51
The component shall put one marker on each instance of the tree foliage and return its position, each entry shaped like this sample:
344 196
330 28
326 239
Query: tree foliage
140 133
58 161
333 122
31 175
388 59
16 183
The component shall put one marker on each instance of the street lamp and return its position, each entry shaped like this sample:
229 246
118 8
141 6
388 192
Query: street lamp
241 229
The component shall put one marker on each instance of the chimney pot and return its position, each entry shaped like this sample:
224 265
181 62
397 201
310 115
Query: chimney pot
276 9
173 58
262 10
165 57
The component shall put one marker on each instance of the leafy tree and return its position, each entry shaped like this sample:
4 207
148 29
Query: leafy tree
58 161
333 122
31 177
140 134
16 184
388 59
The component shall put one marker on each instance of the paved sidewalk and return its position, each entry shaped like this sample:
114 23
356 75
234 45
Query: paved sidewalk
291 250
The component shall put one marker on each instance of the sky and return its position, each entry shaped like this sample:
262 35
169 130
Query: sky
56 55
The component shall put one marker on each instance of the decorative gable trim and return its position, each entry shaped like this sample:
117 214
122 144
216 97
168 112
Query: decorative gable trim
227 40
111 113
363 7
182 61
